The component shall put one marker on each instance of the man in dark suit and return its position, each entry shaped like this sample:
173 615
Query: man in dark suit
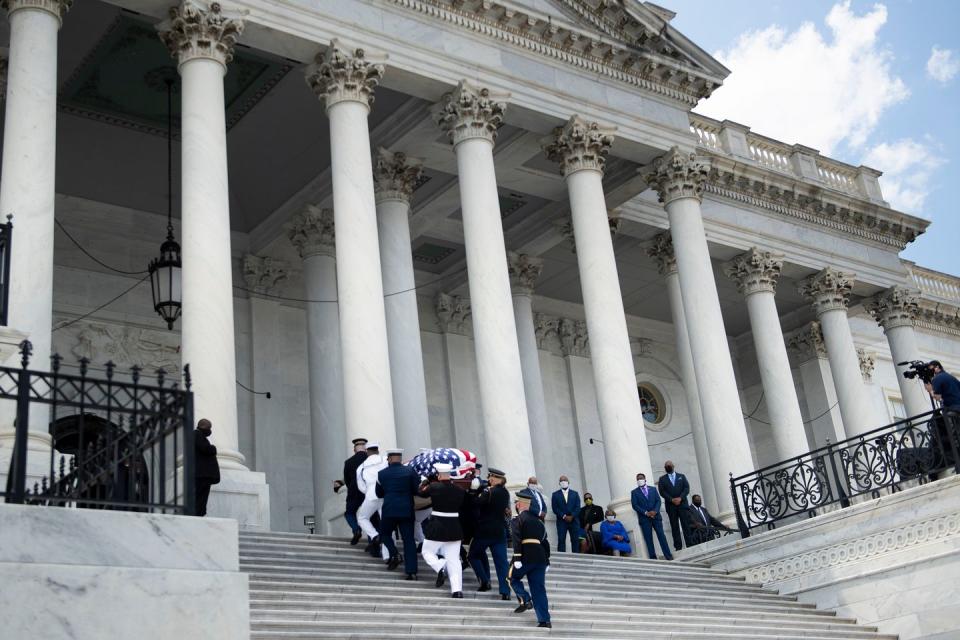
354 495
397 484
703 526
207 468
565 503
674 488
646 502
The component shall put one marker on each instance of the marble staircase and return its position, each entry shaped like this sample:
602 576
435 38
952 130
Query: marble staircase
306 586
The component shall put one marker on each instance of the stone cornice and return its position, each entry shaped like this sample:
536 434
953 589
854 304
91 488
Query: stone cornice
264 274
755 271
395 175
194 31
524 271
58 8
661 250
634 64
677 174
938 317
470 112
827 290
453 314
312 232
341 75
895 307
579 145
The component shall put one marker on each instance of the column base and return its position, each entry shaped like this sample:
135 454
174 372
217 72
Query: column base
242 495
331 522
38 457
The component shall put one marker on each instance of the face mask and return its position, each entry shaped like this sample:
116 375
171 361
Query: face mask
564 484
532 487
669 468
589 501
697 504
641 483
611 518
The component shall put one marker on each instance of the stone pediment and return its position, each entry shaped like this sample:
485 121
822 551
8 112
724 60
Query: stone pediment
626 40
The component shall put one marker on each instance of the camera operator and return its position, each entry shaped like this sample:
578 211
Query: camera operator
943 387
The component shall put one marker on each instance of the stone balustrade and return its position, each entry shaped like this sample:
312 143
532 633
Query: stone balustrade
938 286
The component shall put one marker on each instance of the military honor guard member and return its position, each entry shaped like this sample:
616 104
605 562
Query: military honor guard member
493 507
397 484
442 533
367 483
531 559
354 495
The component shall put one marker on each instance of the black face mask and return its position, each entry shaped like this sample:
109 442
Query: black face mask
668 468
697 503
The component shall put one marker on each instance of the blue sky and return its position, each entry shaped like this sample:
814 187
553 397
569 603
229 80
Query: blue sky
865 82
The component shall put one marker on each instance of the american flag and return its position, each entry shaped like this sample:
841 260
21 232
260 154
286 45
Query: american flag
461 460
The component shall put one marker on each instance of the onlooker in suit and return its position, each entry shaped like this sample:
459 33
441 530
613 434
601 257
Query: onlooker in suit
614 534
703 525
207 468
674 488
538 506
566 506
397 484
590 514
646 502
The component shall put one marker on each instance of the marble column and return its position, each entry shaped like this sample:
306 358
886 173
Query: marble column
471 116
312 233
756 273
395 177
524 271
262 276
678 178
662 251
829 293
825 422
459 356
27 192
345 81
580 148
202 41
896 310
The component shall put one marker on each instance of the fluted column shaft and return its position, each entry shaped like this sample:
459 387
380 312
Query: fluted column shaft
395 179
471 117
345 82
756 273
580 147
662 249
895 310
679 179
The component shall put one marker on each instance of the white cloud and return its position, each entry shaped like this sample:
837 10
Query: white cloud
908 166
942 65
804 87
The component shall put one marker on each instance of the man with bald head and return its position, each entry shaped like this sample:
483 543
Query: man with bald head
205 463
674 488
565 503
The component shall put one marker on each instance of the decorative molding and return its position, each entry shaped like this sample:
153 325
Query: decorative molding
939 318
827 290
868 547
641 347
574 340
579 145
808 342
658 73
453 314
263 275
470 112
678 174
868 361
395 176
194 31
58 8
312 232
124 345
339 75
895 307
524 271
661 250
755 271
547 330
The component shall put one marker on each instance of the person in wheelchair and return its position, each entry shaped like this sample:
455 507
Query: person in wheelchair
703 526
589 516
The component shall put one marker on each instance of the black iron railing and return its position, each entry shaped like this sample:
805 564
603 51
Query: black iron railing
6 242
881 461
118 442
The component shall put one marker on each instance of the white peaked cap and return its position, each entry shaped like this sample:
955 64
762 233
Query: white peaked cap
442 467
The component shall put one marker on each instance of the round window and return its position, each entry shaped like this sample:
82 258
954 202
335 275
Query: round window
651 403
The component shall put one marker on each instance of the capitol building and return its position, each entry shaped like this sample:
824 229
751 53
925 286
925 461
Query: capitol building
495 225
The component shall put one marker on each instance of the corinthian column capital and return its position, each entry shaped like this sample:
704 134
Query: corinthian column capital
662 251
579 145
868 361
340 75
677 174
311 231
524 271
395 175
808 342
574 339
58 8
453 313
262 275
196 31
470 112
895 307
828 290
755 271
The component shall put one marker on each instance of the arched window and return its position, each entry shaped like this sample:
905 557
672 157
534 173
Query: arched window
651 403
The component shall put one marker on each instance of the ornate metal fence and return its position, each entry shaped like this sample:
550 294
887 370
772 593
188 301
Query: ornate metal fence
6 242
117 443
917 449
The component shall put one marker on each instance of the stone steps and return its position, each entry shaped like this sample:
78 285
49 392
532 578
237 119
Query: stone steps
304 586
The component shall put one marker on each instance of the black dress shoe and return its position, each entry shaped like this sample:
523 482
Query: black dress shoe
457 594
419 547
441 578
546 625
524 606
356 538
393 563
484 586
505 596
411 576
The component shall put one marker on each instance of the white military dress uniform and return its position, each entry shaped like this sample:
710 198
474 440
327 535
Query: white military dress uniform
367 483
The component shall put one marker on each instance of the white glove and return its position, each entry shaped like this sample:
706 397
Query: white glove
547 570
517 564
475 484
